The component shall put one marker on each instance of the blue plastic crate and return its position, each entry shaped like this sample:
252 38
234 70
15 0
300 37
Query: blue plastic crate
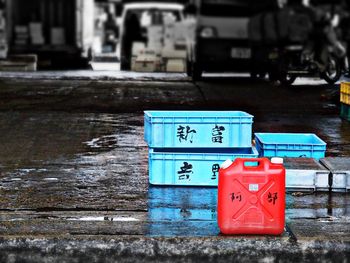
191 166
289 145
198 129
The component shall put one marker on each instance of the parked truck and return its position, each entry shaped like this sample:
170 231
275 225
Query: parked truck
222 43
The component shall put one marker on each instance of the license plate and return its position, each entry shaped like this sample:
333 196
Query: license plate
241 53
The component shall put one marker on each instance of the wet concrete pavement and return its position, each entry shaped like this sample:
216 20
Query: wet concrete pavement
74 183
78 161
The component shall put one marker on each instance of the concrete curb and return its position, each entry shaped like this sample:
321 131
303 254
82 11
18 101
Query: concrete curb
95 75
131 248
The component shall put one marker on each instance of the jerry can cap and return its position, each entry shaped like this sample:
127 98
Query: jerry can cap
226 164
277 160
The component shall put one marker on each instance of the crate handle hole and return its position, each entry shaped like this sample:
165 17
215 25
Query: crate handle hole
251 163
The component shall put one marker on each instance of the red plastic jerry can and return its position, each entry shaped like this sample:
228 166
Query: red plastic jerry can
251 199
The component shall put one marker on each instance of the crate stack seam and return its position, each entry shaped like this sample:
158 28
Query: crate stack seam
188 147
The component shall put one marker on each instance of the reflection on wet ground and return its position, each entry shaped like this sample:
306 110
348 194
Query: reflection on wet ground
191 211
182 211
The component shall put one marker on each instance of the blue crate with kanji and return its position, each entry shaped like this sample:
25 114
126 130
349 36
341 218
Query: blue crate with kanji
191 167
198 129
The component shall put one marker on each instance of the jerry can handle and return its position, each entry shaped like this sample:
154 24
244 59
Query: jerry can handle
262 162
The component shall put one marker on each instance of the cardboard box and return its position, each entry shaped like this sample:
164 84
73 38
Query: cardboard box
168 44
3 52
176 65
2 23
180 32
173 53
36 34
29 60
38 40
21 41
169 19
169 32
36 30
137 48
133 63
21 29
156 47
13 66
58 36
180 45
148 61
145 66
21 35
155 33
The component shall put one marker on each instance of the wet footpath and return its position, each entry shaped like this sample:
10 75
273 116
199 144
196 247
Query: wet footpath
74 172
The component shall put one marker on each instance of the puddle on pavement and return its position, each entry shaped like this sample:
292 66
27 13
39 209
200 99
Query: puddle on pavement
49 136
104 142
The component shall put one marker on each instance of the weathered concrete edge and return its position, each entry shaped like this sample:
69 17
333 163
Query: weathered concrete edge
149 77
235 248
106 79
97 96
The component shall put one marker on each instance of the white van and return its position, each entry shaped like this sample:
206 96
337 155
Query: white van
141 11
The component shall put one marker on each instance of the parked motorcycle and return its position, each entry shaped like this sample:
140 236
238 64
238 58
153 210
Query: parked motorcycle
293 61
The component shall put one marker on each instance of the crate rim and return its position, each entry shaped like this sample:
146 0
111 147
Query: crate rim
148 113
254 152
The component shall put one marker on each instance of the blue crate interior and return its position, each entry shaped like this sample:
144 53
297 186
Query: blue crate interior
290 145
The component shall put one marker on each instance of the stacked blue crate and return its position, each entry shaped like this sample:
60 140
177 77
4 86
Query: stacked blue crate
188 147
